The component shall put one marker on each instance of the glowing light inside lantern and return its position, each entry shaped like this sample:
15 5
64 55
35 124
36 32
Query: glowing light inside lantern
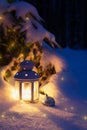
30 91
26 91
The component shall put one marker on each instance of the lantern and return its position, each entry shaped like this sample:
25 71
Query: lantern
27 82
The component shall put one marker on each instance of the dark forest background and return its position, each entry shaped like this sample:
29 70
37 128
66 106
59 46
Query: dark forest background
66 19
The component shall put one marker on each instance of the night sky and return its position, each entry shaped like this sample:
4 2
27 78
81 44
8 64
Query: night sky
66 19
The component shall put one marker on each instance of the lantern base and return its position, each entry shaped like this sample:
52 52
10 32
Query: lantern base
27 101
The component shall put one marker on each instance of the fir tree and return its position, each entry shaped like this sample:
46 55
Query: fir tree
21 37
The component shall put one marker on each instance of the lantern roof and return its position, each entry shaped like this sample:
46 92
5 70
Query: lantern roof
27 65
26 74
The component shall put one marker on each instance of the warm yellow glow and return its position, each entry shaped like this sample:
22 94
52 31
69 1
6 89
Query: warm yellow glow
23 107
27 18
44 115
15 92
21 57
51 90
36 84
26 91
12 44
2 115
0 56
1 17
9 30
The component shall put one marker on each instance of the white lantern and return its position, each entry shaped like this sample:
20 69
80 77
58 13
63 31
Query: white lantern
27 83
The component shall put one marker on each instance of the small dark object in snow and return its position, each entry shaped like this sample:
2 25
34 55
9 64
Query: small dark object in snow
48 101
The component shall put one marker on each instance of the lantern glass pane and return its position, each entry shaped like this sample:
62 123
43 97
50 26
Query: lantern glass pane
36 90
26 91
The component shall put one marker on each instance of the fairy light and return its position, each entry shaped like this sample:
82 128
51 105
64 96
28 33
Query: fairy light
27 18
62 78
2 115
9 30
12 44
85 117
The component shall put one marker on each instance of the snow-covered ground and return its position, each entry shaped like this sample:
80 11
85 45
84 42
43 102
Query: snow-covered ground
69 89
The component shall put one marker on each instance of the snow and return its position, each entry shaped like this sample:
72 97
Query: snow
23 8
68 86
69 89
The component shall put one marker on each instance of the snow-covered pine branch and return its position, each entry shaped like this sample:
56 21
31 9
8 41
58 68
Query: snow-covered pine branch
31 22
22 9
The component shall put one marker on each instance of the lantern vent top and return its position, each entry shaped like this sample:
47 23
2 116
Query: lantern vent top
27 65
